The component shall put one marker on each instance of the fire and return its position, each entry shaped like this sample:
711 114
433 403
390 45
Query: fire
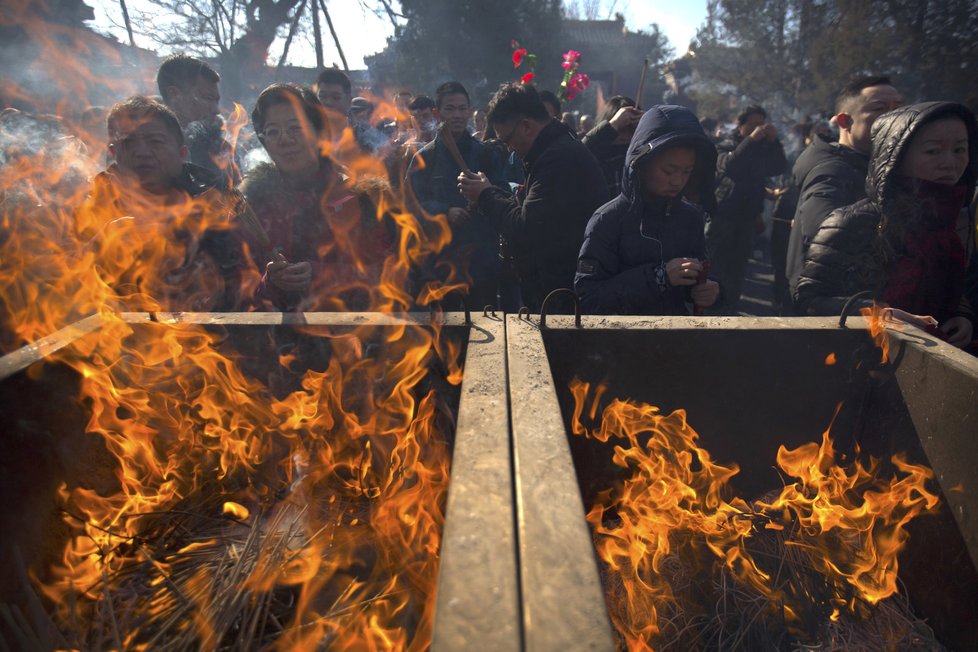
876 321
333 462
826 543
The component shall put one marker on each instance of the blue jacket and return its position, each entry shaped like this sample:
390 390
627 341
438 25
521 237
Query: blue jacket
629 237
434 173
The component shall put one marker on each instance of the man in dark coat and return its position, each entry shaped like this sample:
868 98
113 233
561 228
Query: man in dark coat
433 176
544 221
609 139
189 87
172 218
832 175
643 251
751 155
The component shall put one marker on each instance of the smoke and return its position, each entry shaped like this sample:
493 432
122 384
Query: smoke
23 134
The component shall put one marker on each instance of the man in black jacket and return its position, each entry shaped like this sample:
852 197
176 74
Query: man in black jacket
189 87
433 179
832 175
609 139
544 221
751 155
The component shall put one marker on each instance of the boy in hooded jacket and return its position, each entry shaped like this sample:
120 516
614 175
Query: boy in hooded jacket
644 251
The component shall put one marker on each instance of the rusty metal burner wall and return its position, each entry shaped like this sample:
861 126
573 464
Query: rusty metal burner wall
518 568
748 385
477 596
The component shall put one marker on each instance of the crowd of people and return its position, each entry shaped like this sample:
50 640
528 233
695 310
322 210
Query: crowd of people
640 211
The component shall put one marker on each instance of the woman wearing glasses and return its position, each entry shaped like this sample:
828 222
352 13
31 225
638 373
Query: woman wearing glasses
324 247
644 251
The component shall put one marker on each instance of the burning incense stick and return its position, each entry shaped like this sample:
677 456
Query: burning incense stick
641 83
249 221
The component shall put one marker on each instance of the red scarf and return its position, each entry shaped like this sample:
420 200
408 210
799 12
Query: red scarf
927 278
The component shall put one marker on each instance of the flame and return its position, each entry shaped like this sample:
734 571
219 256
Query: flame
335 475
876 320
675 510
239 512
830 359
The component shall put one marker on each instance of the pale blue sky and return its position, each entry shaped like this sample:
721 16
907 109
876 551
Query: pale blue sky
362 33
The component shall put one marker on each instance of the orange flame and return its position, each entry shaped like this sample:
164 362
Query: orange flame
335 475
675 504
875 317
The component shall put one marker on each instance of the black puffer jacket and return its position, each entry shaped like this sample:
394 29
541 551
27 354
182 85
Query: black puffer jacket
629 237
828 176
847 255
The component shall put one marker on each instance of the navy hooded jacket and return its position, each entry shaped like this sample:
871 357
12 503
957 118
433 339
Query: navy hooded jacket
629 237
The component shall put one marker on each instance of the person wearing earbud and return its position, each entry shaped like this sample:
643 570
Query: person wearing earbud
832 175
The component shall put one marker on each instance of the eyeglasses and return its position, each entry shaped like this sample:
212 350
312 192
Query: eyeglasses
275 133
512 132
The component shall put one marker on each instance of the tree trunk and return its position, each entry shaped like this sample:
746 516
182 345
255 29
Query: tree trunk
318 35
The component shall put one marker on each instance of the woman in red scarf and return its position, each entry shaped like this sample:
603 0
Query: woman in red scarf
906 243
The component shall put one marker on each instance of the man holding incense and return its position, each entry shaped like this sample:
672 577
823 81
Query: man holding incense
544 221
433 174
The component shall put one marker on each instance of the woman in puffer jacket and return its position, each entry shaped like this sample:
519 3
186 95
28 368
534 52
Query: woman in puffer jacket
904 243
644 251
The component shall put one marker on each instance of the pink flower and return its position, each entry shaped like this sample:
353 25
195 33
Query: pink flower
571 56
569 65
518 57
514 44
527 78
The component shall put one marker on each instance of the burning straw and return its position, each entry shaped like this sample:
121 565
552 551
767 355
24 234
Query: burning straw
810 566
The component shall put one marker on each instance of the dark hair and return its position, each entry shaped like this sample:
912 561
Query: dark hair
142 108
613 105
420 103
287 93
855 87
709 125
753 109
548 97
336 77
450 88
514 101
182 70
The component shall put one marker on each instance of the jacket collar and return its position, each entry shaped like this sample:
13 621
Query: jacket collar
551 132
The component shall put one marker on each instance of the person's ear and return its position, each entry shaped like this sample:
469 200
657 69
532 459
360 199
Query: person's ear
844 120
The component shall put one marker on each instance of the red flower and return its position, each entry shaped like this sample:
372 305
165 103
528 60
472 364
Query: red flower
527 78
580 81
518 57
569 65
